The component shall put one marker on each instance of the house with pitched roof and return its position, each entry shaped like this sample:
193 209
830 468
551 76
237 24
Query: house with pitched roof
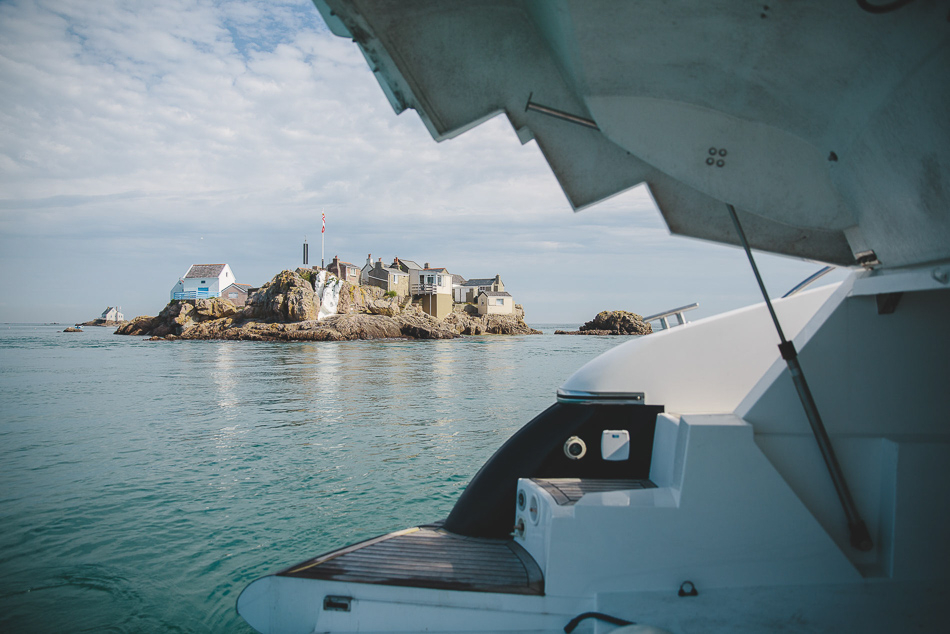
364 272
112 314
203 281
467 292
237 293
344 270
495 303
406 266
387 278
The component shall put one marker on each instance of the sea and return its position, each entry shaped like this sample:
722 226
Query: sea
144 484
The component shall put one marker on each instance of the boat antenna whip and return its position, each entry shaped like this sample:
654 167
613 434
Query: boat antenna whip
860 537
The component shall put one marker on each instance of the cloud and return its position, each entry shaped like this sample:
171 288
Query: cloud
138 137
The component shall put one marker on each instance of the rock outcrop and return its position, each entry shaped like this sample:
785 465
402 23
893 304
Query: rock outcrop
468 324
287 297
612 322
179 317
287 309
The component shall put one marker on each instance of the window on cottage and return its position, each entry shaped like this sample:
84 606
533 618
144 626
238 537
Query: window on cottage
499 302
232 295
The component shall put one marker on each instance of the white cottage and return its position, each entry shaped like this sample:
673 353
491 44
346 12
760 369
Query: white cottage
112 314
495 303
203 281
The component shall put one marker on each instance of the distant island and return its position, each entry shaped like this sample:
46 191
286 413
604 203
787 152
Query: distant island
316 305
111 317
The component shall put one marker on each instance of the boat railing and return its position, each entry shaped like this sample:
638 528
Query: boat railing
664 317
426 289
808 280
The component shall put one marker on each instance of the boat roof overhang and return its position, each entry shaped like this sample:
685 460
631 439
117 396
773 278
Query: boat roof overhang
825 125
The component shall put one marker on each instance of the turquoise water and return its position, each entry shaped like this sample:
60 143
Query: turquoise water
144 484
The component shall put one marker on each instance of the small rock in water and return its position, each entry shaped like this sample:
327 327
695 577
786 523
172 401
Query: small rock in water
612 322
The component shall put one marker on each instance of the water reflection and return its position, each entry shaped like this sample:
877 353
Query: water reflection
185 469
224 374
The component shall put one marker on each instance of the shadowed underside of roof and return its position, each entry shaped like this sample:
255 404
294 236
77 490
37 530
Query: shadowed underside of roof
823 124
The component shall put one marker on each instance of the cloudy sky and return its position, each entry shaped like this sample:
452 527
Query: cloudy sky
139 137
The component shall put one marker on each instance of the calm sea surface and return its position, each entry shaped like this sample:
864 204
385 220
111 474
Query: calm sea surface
144 484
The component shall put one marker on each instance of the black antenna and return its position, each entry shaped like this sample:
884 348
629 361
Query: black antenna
860 537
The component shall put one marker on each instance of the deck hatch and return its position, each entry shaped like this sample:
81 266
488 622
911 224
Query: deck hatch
567 491
430 557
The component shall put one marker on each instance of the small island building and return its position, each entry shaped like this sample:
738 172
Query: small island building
112 314
364 272
467 292
433 287
495 303
344 270
387 278
237 293
203 281
406 266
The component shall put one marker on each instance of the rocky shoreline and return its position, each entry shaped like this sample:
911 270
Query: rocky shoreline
106 323
286 309
612 322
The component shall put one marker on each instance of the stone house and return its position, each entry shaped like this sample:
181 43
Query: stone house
237 293
344 270
387 278
406 266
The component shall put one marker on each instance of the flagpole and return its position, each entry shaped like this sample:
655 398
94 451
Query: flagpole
323 240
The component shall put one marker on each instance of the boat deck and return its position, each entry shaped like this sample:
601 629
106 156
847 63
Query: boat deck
429 557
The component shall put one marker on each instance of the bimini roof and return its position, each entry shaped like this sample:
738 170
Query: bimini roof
823 123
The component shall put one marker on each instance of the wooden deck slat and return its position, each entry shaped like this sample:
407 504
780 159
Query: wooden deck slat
402 575
409 564
396 567
433 558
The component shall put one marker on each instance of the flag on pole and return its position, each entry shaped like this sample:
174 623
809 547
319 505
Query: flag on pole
324 230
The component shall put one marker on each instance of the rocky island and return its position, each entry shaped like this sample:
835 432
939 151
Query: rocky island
288 309
612 322
110 318
106 323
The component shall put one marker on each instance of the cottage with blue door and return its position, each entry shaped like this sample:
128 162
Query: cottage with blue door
203 281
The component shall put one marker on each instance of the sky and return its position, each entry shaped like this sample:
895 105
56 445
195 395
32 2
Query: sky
140 137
